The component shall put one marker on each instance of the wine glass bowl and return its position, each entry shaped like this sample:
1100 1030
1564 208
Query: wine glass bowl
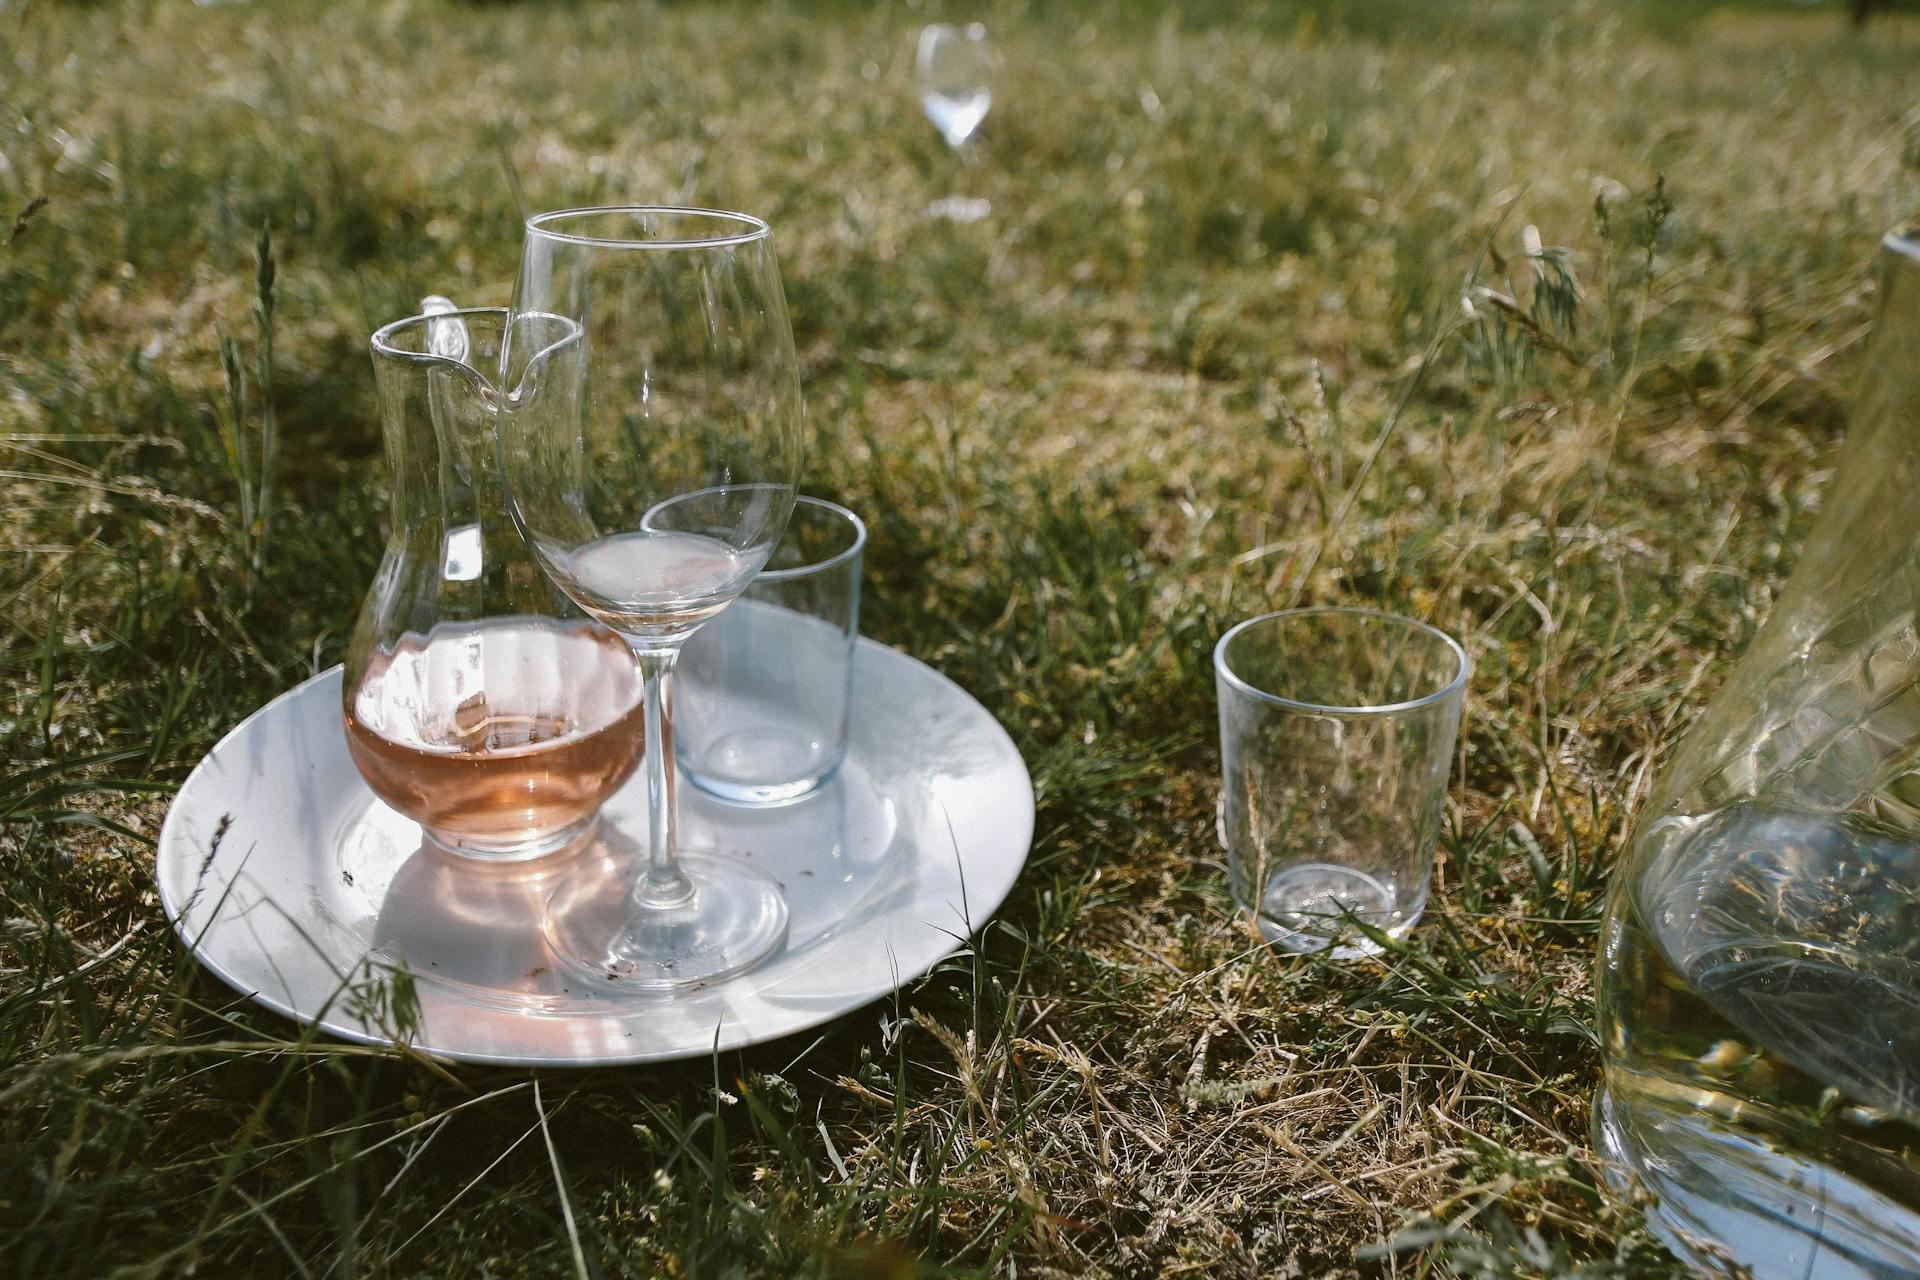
685 384
955 65
650 465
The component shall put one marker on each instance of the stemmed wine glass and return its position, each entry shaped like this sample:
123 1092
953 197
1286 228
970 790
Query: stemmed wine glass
956 67
650 437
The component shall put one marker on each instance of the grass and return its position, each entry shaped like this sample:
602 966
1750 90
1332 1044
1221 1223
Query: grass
1170 382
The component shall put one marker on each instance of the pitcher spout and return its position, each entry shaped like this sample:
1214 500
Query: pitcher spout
456 341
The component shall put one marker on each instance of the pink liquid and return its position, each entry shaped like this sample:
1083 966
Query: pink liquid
501 737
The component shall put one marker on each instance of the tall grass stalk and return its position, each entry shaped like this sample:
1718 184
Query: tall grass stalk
249 426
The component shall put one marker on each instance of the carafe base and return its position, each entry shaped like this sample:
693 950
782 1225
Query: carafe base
522 850
1728 1197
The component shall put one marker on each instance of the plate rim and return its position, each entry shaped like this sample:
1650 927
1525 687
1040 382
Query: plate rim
744 1037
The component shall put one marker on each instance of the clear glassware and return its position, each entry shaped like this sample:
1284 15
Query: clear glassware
956 67
766 687
652 471
1336 735
1759 977
479 701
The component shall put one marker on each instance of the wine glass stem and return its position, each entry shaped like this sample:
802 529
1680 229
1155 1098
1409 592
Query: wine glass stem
664 884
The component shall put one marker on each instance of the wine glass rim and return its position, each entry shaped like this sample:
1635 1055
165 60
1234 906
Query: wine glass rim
1463 669
975 31
753 228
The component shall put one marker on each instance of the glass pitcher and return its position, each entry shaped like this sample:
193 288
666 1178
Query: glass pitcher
479 701
1759 980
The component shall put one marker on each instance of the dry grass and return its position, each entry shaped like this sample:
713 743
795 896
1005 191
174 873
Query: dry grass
1090 432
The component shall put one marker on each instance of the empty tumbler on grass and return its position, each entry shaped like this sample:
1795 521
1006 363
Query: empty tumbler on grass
1336 731
766 686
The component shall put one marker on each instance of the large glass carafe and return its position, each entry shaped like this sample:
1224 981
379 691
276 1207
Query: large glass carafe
1759 985
479 700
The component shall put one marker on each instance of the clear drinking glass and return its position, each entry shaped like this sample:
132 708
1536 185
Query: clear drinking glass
1336 731
651 468
766 686
479 701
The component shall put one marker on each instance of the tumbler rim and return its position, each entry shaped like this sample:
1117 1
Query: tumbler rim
1241 685
540 224
833 561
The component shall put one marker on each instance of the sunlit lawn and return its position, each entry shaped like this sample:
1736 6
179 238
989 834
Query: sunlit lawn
1175 378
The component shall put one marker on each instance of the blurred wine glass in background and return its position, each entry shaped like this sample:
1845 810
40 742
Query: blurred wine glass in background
956 79
956 68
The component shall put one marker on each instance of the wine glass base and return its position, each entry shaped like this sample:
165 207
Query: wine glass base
736 918
959 208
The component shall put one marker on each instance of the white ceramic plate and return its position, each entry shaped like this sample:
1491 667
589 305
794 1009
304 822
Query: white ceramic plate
887 868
